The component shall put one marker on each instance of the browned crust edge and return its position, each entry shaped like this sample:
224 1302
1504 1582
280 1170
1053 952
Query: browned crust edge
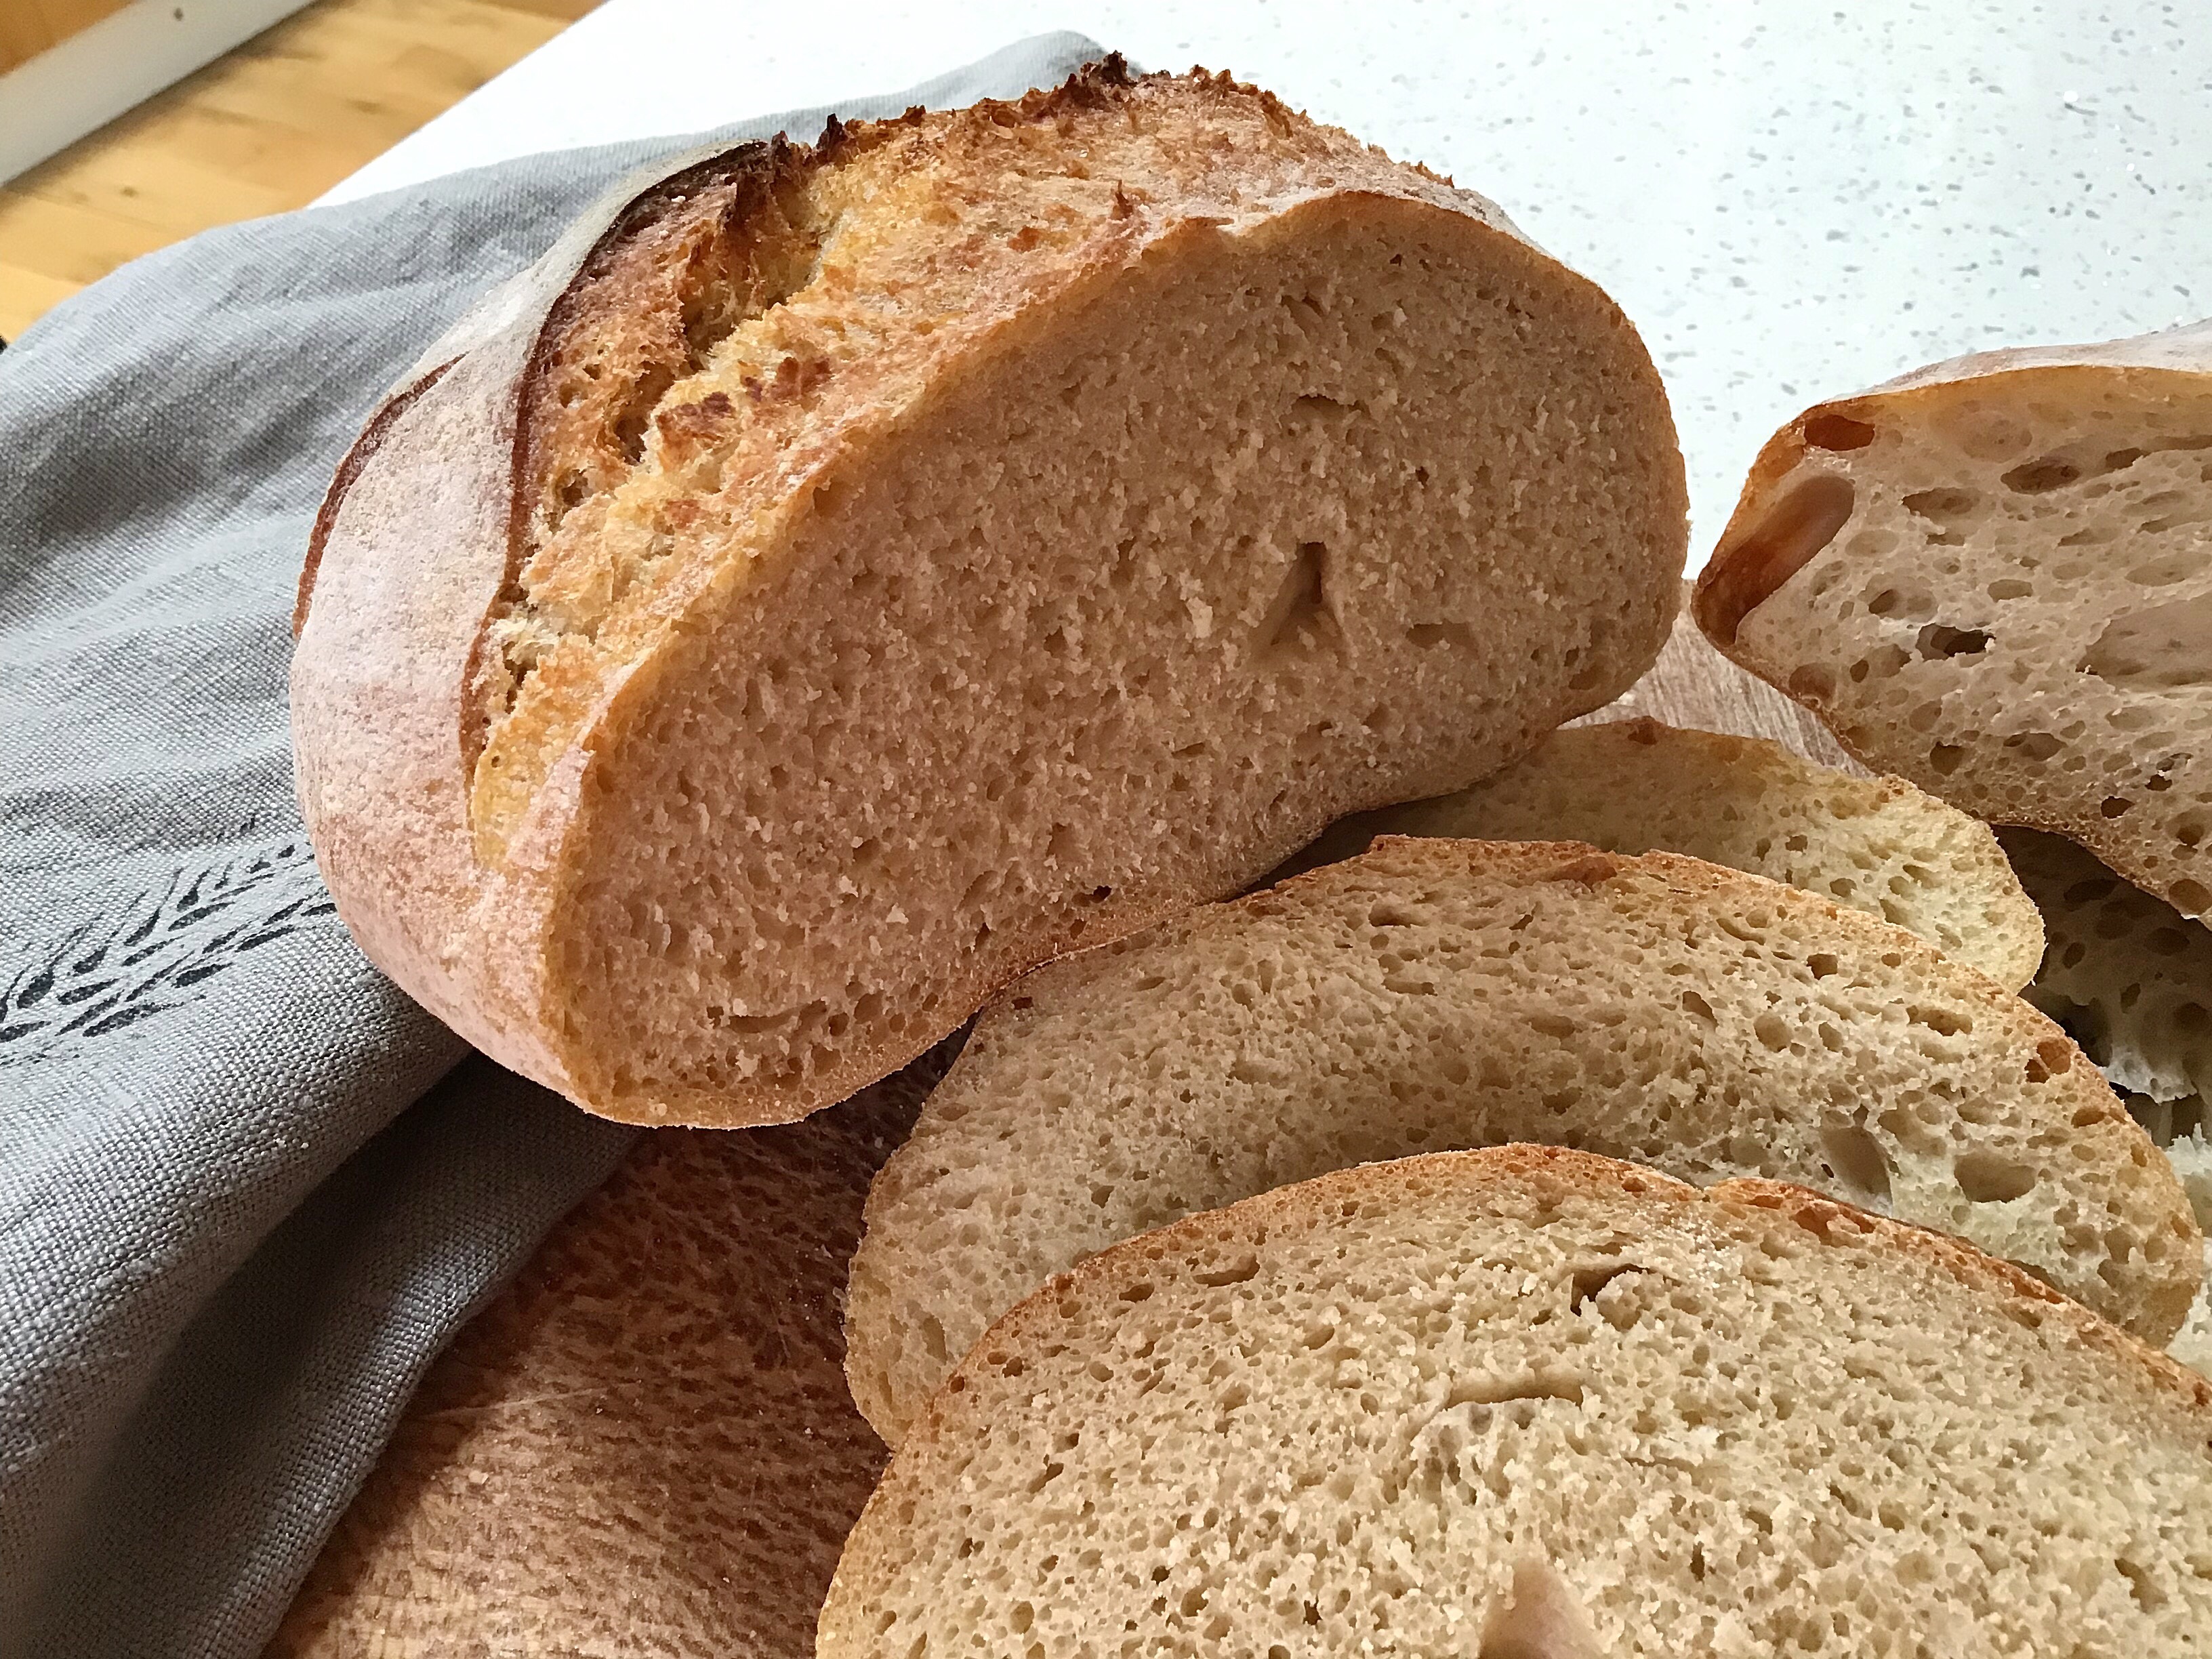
357 458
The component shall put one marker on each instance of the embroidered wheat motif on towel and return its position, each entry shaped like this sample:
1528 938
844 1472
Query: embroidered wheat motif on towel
109 973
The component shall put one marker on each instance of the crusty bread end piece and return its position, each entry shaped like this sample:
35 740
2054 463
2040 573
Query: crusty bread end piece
1433 994
1878 845
1994 577
1530 1404
842 577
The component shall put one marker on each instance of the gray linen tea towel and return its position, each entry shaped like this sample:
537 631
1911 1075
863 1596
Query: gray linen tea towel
239 1211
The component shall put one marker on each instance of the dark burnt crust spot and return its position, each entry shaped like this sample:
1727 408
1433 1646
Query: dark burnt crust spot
669 279
795 380
687 428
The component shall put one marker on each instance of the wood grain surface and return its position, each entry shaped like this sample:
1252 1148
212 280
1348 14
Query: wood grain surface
645 1446
263 129
27 27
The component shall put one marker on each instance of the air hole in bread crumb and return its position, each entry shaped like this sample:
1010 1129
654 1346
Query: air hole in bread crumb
1945 1022
1239 1272
2179 565
1812 683
2041 476
1938 641
1855 1157
1944 505
1298 618
1747 571
1837 433
635 415
1987 1177
1426 635
2036 746
1585 1283
2141 1584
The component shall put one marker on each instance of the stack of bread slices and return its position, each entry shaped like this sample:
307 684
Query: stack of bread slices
1606 1195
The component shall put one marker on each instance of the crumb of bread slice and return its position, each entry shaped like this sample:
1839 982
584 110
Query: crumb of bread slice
1530 1402
1433 994
1878 845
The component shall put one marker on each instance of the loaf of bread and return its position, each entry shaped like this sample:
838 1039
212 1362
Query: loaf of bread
1877 845
1994 577
1435 994
1531 1404
643 1446
840 578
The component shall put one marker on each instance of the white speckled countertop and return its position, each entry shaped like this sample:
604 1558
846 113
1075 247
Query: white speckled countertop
1791 199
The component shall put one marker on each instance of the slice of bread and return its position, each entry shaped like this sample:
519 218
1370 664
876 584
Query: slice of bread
643 1446
841 578
1874 844
1531 1404
1435 994
1994 577
2129 978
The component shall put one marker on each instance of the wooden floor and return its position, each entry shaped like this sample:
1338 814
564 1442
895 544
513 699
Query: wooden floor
270 126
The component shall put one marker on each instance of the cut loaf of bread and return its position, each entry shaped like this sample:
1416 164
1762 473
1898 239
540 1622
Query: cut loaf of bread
1878 845
2129 978
1434 994
1994 577
840 578
1531 1404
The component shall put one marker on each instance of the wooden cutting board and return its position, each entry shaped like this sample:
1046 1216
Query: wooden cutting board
644 1447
